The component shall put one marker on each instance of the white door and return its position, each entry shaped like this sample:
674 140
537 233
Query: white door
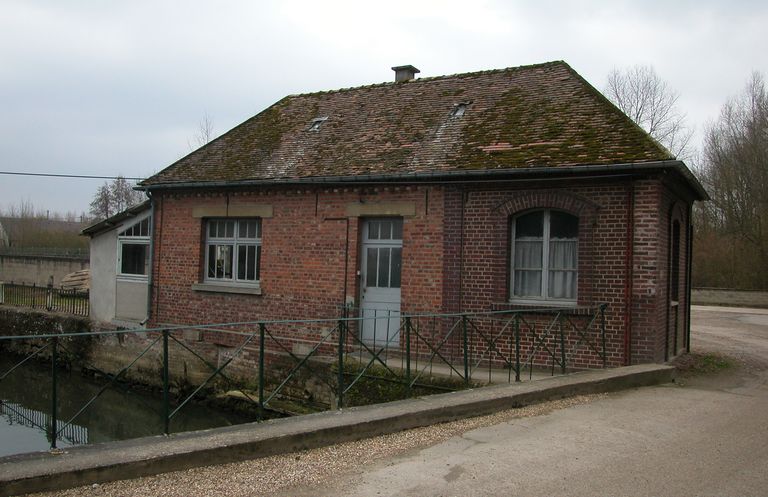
382 255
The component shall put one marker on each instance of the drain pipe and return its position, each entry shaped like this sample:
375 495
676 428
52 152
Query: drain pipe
629 270
150 276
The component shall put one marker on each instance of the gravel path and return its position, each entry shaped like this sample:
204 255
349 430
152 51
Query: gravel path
307 468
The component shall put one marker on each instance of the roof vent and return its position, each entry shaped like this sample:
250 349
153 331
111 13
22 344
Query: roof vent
316 123
404 73
459 109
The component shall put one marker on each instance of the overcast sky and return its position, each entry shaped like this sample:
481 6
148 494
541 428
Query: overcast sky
107 88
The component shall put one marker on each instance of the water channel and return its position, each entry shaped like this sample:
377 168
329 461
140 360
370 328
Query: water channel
118 414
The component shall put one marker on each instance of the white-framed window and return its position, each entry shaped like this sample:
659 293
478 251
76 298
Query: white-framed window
133 250
232 250
544 266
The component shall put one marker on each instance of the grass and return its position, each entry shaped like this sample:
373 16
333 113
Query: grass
697 363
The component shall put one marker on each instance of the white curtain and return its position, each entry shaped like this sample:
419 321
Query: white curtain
528 267
562 269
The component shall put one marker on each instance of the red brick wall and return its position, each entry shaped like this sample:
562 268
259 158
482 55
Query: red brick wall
303 255
455 253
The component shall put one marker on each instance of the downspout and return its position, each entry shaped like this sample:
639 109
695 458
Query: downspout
688 279
461 251
629 270
159 249
150 276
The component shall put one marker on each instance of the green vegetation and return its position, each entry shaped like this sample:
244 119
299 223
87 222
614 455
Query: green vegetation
695 363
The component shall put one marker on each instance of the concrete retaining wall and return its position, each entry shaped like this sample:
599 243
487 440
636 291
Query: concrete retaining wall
726 297
38 269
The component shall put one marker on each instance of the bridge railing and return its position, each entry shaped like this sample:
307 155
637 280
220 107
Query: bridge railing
323 363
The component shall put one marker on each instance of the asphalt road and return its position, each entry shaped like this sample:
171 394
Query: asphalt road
707 436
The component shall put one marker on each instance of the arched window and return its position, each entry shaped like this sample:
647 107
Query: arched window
545 246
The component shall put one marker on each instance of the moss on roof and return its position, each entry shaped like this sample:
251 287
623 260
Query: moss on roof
543 115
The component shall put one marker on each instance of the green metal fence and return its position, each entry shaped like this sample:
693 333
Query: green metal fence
418 353
50 298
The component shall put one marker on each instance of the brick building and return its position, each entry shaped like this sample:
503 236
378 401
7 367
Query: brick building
504 189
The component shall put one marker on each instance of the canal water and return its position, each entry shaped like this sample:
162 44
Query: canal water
117 414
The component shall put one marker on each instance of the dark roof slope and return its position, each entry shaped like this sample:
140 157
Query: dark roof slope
532 116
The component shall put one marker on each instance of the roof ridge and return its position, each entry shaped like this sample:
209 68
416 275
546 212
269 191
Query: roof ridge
433 78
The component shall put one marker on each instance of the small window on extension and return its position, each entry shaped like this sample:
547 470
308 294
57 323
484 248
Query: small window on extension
316 123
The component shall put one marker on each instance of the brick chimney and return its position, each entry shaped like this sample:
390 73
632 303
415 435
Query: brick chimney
404 73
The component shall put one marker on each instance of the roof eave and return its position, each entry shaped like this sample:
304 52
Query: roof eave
111 222
456 175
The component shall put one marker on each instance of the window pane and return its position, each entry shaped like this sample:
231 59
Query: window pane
248 229
528 255
384 267
242 261
211 229
250 273
386 230
230 232
530 225
221 257
527 284
144 228
563 254
562 225
562 284
258 263
134 258
211 260
397 229
373 230
370 266
397 258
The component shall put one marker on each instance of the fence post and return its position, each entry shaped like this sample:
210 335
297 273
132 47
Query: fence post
562 343
408 353
54 421
517 347
49 296
2 293
602 333
166 393
466 348
34 295
261 370
341 364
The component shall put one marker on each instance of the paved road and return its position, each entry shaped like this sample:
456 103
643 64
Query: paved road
706 437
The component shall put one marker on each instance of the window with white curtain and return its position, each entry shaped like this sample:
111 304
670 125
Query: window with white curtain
545 246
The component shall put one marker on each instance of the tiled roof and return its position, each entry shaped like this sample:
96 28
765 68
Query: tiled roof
542 115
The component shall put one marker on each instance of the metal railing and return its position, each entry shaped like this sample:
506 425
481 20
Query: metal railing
413 353
50 298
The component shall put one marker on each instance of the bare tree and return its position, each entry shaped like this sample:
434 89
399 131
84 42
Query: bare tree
735 171
102 205
647 99
204 133
123 194
114 197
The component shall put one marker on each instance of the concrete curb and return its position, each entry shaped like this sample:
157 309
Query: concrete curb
42 471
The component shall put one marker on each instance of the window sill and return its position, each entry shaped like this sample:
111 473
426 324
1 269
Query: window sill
543 303
226 288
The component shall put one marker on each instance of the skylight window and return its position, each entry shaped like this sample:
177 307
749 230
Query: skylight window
459 109
316 123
